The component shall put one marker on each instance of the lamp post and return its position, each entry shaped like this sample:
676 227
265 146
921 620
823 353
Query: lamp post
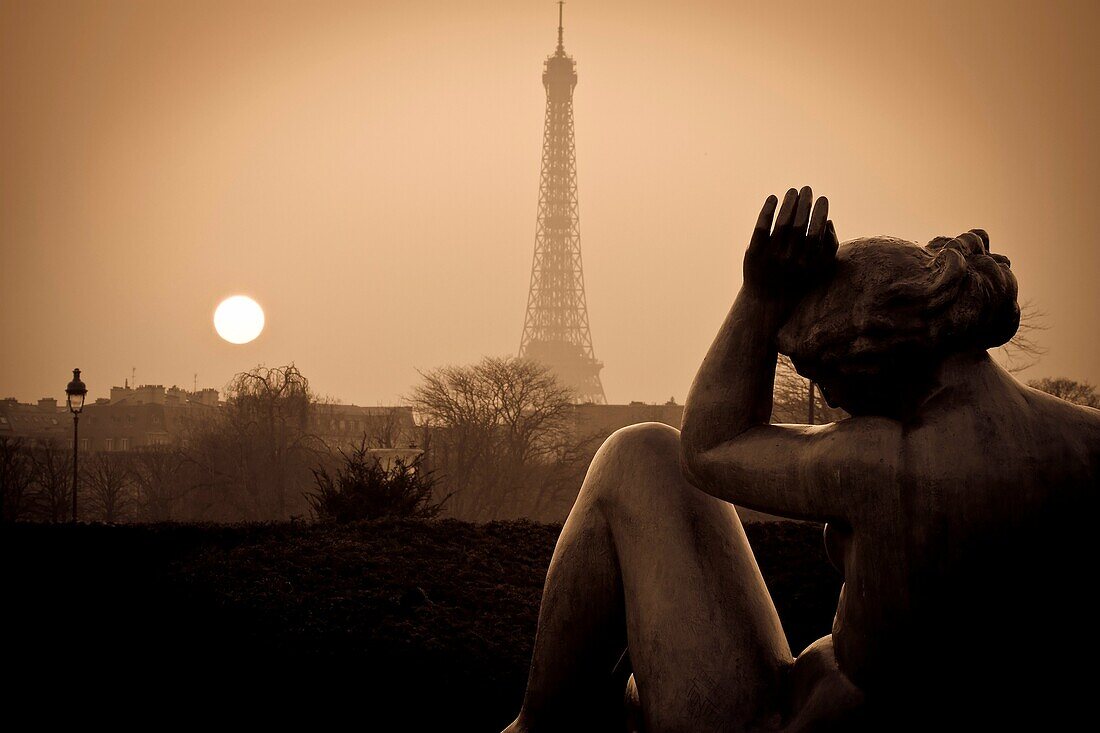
75 393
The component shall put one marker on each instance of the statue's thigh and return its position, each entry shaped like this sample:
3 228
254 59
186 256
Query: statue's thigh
706 643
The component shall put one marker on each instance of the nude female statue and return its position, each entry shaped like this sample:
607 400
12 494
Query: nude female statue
958 505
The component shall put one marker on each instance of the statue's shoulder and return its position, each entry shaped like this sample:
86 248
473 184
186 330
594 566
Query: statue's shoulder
1005 450
1069 430
1060 409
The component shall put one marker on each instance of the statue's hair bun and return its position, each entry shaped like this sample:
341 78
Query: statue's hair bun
894 299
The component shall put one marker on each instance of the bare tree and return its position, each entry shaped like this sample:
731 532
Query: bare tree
163 476
1024 350
453 404
1079 393
267 430
249 460
386 429
557 477
16 479
53 481
210 492
109 488
503 437
793 395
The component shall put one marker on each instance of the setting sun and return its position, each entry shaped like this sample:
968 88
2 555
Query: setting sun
239 319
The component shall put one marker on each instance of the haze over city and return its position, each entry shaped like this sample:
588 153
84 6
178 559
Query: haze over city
368 173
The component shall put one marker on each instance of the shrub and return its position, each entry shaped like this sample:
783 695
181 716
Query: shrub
363 488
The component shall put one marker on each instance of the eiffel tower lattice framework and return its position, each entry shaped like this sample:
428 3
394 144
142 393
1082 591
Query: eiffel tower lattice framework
555 330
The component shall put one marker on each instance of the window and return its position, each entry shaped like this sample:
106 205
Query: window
108 444
85 443
156 419
130 419
124 444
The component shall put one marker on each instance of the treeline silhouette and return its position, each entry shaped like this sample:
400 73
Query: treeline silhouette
496 439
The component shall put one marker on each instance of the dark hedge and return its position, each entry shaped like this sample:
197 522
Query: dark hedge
432 621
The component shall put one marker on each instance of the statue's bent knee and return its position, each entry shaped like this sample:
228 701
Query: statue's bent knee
634 462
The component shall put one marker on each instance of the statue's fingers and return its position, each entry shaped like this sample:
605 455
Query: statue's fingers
786 212
802 211
781 235
763 224
818 219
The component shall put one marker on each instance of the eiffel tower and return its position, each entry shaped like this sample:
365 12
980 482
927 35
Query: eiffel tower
555 330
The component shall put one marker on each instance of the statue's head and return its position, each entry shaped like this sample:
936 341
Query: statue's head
874 334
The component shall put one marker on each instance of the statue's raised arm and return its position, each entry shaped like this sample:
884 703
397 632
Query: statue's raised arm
728 447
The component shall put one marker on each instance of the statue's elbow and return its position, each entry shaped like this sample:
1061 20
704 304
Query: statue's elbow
692 462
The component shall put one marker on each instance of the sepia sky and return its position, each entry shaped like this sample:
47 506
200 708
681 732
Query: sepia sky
368 172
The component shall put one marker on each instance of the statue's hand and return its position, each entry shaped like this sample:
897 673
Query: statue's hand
783 263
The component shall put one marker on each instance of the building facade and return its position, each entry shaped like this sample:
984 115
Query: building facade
130 419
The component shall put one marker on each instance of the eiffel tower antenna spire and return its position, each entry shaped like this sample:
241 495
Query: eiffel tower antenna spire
561 43
555 330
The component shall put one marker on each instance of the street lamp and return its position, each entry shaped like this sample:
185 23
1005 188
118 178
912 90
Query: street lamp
75 393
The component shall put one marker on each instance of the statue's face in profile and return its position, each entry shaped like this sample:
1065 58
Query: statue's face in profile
874 334
887 390
850 394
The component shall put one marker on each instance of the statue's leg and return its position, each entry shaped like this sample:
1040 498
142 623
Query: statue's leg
647 558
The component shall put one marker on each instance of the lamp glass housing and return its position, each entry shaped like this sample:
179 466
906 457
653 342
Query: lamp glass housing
76 401
75 393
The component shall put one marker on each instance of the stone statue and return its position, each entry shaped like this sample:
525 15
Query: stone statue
958 505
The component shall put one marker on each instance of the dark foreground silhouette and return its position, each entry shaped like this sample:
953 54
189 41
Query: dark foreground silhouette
429 620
